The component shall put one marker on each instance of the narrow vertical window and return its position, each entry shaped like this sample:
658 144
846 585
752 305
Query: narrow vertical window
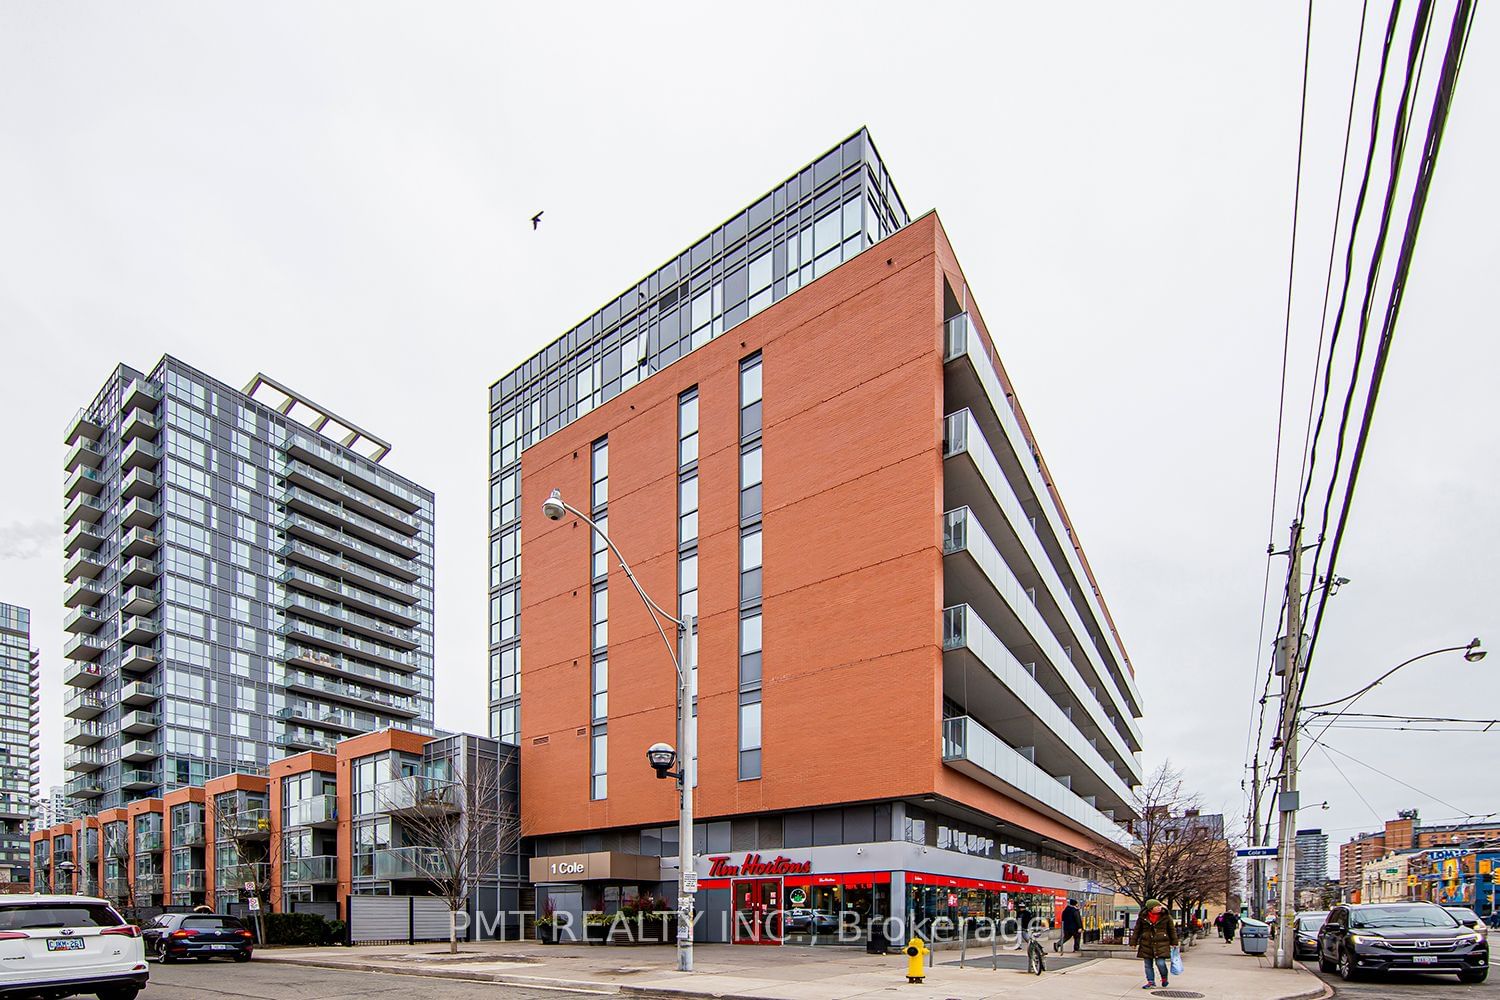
599 624
751 569
687 523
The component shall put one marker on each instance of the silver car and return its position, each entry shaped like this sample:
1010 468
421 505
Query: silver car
60 946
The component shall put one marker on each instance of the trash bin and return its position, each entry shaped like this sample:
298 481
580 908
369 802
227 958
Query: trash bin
1255 936
877 945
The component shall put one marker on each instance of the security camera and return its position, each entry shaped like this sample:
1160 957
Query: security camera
554 507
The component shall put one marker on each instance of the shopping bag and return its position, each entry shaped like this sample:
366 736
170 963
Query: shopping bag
1176 965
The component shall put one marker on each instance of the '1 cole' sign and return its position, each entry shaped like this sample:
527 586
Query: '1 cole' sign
719 867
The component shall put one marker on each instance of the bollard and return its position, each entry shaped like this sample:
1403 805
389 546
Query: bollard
915 950
963 941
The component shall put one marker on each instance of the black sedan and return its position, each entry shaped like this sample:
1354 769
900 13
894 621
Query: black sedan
200 936
1400 937
1305 927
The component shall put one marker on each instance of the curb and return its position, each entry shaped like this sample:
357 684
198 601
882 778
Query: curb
500 978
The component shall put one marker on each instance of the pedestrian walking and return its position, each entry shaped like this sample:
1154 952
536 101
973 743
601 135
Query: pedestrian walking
1231 921
1154 938
1072 926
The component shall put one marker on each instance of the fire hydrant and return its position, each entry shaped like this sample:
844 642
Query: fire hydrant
915 950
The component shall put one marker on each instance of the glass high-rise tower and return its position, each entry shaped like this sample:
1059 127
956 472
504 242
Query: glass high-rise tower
820 216
17 711
244 580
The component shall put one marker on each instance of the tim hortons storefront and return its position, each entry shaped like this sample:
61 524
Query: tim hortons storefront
818 895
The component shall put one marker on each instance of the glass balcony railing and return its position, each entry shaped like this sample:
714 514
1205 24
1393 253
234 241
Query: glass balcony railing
136 778
295 496
83 507
233 877
343 566
83 674
966 742
363 474
83 592
140 424
252 820
85 703
86 786
319 810
347 592
354 619
188 880
188 835
148 841
319 684
395 516
299 738
140 693
362 551
318 868
411 863
140 393
418 793
297 628
83 647
298 654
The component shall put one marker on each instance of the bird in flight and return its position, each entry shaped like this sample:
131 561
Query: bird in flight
536 221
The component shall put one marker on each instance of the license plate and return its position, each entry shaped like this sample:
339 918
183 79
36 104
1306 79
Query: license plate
223 947
1424 959
65 944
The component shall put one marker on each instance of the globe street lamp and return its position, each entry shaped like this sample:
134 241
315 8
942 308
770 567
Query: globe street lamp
684 657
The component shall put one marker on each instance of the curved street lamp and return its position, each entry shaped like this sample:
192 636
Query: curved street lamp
684 657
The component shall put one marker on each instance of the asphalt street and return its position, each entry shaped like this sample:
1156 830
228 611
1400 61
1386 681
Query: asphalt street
1433 987
274 981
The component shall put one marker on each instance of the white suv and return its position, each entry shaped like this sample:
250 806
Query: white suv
60 946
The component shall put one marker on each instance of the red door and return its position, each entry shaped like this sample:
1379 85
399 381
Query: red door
757 911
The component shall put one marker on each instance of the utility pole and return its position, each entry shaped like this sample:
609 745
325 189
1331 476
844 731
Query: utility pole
1291 696
1256 870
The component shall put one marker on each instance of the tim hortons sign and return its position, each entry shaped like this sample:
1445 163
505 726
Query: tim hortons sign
755 866
1014 873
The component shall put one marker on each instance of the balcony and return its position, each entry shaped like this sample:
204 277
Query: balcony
138 693
83 455
366 577
140 424
91 851
83 507
84 734
83 535
312 582
81 620
83 592
140 455
87 786
138 628
318 686
232 878
307 502
188 835
318 659
91 759
83 675
117 847
83 481
418 794
139 660
411 862
355 484
988 681
116 887
85 704
139 722
315 869
140 750
140 542
140 394
317 811
974 479
147 886
140 513
138 571
337 615
140 483
82 426
140 600
971 749
191 880
296 629
976 572
299 738
83 647
361 551
84 565
148 842
137 779
252 822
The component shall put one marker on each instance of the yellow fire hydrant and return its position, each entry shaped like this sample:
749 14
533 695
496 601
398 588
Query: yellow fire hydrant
915 950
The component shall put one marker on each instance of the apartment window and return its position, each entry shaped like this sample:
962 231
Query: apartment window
599 707
601 473
687 505
599 626
687 429
751 562
599 617
599 550
599 773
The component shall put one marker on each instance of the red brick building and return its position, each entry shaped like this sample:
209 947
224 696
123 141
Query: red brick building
911 699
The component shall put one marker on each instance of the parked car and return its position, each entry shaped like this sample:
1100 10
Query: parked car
1468 918
59 946
199 936
1305 933
1405 937
802 920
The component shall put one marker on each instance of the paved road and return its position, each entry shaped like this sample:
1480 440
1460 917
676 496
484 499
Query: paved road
1431 987
274 981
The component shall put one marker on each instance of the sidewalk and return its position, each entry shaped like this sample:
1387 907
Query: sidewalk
1213 969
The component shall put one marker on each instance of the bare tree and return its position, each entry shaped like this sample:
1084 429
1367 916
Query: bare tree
1175 857
255 841
456 830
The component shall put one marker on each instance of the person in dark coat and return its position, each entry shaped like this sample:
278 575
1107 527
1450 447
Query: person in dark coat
1154 938
1072 925
1231 921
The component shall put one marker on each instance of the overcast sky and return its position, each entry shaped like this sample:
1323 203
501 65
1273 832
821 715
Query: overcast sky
339 195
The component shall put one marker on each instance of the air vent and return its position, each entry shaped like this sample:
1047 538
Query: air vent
541 741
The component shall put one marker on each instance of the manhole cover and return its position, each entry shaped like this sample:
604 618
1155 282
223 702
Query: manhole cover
1183 994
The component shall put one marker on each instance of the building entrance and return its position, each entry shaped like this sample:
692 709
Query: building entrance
757 910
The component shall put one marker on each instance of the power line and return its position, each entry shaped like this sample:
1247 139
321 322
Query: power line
1392 777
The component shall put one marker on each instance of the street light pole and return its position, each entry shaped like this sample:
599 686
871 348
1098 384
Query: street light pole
684 658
